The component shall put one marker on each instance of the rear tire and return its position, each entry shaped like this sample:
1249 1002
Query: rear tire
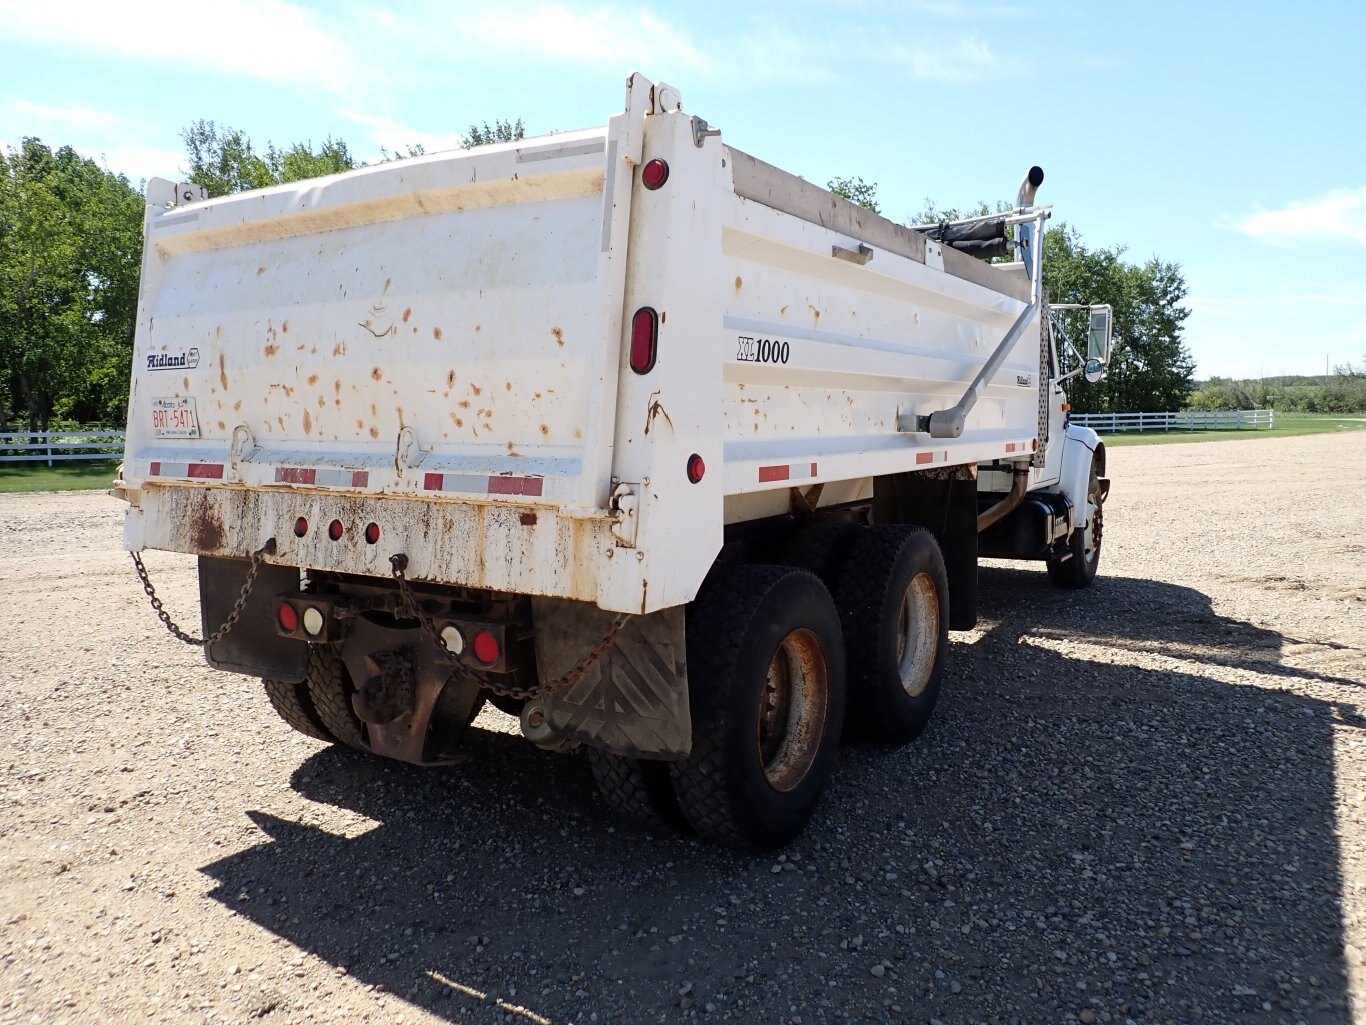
292 703
330 687
766 692
821 548
637 789
894 605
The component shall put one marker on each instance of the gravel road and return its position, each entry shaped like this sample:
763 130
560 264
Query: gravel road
1141 802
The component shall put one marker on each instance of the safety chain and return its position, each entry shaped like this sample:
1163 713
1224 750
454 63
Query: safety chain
256 558
400 564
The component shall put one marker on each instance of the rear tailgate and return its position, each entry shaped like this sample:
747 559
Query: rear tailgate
450 304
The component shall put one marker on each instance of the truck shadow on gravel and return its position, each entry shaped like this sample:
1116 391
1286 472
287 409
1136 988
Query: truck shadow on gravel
1082 835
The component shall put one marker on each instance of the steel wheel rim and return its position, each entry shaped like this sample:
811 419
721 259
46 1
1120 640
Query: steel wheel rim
917 634
792 710
1091 538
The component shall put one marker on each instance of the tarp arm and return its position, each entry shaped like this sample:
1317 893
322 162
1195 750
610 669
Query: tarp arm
948 423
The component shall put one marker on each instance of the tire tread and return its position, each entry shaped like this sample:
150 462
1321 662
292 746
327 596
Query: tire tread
293 704
636 789
862 596
329 686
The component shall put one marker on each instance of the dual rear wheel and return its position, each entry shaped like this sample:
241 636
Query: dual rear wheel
774 660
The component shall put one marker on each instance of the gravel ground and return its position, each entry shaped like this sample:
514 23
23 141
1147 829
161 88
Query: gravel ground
1141 802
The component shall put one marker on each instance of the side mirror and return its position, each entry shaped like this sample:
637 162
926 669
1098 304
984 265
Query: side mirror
1098 338
1093 371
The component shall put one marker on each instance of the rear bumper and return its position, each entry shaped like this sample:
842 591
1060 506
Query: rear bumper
491 546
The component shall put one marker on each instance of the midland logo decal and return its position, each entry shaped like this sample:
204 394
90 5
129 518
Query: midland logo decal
173 360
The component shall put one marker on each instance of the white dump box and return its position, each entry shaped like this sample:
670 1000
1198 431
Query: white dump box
573 367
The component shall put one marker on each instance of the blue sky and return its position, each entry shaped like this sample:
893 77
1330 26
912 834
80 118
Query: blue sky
1230 139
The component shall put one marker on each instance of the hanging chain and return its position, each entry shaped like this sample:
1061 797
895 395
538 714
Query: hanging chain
256 558
400 563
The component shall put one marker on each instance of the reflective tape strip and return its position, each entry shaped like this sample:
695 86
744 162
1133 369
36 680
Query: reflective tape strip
501 485
481 484
190 471
921 458
789 471
328 477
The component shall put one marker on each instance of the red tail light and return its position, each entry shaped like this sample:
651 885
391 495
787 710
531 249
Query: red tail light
696 468
335 530
287 617
300 527
372 533
485 647
644 339
654 174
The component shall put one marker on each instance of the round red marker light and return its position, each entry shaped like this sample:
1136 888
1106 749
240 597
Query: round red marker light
300 527
335 530
371 533
654 174
287 617
697 469
485 647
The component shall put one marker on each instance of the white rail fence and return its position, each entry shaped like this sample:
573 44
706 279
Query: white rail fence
1186 420
59 446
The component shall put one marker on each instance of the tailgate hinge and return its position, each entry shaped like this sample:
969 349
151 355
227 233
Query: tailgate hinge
625 507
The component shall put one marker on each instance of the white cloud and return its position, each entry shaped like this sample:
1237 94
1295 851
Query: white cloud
47 119
271 40
953 9
591 36
1340 214
139 162
104 136
774 52
1236 305
955 59
394 136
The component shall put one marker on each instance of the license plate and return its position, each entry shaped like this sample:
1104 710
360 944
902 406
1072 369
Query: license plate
174 418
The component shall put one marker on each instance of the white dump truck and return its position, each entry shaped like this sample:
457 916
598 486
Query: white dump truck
681 459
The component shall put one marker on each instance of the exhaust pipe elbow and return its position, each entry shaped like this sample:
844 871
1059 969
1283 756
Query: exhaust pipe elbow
1029 186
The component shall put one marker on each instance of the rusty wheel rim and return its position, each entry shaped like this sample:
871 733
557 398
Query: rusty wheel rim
792 711
917 634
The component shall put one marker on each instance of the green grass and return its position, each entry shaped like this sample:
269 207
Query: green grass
75 475
1288 425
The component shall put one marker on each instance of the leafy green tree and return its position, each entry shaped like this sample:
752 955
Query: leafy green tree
932 214
300 161
499 131
856 190
1151 369
224 160
70 249
414 150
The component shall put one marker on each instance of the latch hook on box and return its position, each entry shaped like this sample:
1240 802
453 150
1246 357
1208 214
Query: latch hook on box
625 508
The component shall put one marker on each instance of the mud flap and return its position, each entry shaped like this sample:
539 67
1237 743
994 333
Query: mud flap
254 646
632 701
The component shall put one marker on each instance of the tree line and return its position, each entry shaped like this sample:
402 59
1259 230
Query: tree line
71 244
1342 391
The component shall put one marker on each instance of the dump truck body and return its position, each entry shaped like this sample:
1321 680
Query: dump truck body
551 384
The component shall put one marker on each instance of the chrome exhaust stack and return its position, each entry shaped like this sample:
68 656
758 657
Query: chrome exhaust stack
1028 187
